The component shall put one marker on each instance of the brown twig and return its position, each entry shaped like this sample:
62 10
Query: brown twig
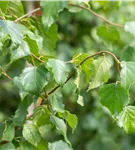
5 74
37 58
75 5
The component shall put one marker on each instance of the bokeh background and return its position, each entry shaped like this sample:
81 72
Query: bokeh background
96 128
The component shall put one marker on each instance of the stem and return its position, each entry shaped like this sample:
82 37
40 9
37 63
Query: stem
82 7
37 58
5 74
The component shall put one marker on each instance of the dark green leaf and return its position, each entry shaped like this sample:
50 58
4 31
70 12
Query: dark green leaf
43 145
21 112
50 10
7 146
59 69
101 73
2 126
9 132
114 97
34 79
127 74
31 134
59 145
26 146
127 119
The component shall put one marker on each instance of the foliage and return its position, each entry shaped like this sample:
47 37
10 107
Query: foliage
34 65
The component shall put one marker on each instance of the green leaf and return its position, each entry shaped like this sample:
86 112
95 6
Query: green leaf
2 127
16 8
50 10
22 92
33 79
130 27
21 112
59 145
127 74
22 51
60 126
101 73
127 119
9 132
59 69
26 146
41 116
114 97
108 34
56 104
43 145
31 134
13 29
3 6
78 58
7 146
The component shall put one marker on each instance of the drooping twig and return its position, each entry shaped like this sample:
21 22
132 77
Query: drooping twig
5 74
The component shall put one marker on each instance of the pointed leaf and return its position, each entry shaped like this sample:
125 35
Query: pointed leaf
31 134
9 132
114 97
101 73
59 145
34 79
50 10
22 51
127 119
127 74
59 69
21 112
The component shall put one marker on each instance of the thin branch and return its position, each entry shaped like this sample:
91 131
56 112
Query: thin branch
29 13
5 74
98 53
37 58
97 15
82 7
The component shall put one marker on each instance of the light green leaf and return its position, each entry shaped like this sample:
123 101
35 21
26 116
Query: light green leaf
59 69
108 34
59 145
31 134
60 126
50 10
127 119
3 6
56 104
130 27
41 116
13 29
127 74
114 97
101 73
16 8
9 132
80 100
34 79
22 51
21 112
7 146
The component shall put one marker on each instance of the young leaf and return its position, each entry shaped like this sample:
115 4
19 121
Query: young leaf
101 73
59 145
33 79
130 27
13 29
127 74
22 51
9 132
41 116
61 126
50 10
7 146
56 104
127 119
31 134
21 112
114 97
59 69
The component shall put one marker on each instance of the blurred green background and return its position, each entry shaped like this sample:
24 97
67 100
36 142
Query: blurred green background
96 129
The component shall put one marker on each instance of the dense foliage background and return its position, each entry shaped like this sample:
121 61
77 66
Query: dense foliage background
79 31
